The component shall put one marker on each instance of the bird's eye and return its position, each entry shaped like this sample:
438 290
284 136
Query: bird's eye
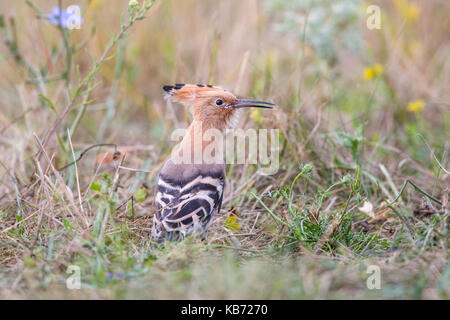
219 102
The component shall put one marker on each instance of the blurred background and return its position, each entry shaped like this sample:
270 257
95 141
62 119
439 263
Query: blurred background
311 57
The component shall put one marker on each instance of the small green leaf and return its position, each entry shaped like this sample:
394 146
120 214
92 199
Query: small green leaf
96 187
48 102
67 225
140 195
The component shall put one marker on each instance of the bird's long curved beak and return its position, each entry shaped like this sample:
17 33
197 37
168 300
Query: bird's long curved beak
248 103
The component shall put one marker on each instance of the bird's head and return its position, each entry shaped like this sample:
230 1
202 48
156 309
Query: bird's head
213 106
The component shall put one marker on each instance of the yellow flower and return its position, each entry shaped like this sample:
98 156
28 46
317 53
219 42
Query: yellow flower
94 3
369 73
232 223
378 69
413 12
373 71
416 106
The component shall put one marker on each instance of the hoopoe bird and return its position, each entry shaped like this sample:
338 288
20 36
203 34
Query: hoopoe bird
190 193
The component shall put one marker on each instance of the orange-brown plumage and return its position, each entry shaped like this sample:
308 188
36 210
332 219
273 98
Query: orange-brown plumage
190 194
202 99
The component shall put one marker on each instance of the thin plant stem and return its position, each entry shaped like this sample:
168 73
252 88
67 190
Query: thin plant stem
270 211
417 189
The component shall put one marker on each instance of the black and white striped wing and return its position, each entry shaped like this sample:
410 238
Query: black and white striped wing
186 207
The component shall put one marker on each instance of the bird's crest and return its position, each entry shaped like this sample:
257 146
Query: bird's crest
188 93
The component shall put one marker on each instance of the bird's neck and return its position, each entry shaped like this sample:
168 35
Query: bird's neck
203 143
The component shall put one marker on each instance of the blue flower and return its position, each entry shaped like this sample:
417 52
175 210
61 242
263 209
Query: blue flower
116 276
64 18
